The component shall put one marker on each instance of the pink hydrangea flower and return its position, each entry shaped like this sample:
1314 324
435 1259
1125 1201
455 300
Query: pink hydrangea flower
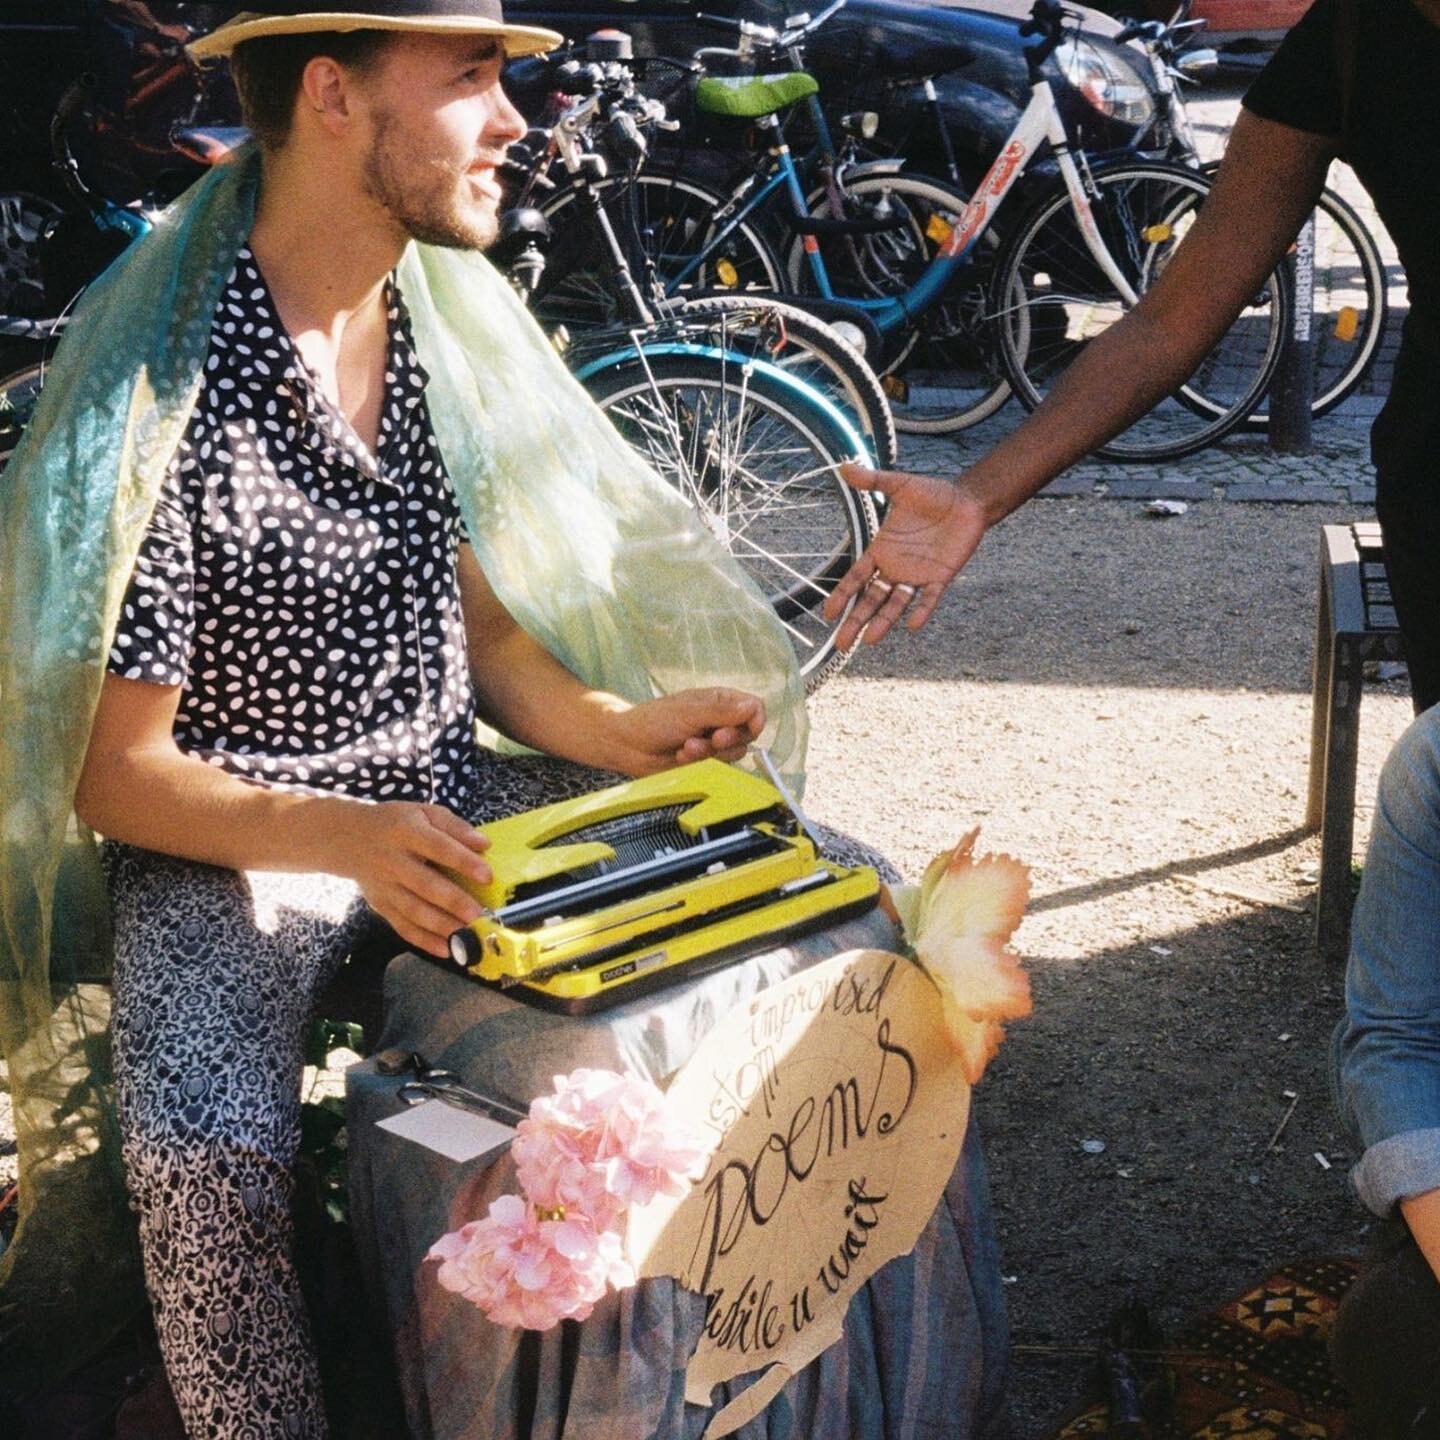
601 1143
530 1273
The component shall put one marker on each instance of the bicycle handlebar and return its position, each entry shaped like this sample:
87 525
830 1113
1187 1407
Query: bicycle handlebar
1158 32
768 35
1047 20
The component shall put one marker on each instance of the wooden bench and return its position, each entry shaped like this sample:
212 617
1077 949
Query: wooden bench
1356 623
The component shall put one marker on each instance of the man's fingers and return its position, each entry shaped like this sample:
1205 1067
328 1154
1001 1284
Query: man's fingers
727 737
415 938
429 887
695 748
417 923
718 708
924 606
732 707
456 827
889 612
863 478
852 583
866 608
449 851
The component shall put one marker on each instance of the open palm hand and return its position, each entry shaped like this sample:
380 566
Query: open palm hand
931 529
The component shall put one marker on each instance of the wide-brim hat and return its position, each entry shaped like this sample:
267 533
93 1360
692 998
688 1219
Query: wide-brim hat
416 17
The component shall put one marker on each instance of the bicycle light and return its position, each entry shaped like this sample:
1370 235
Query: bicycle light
863 124
1106 81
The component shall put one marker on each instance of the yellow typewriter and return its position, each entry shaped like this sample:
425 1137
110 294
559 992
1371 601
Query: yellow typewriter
599 899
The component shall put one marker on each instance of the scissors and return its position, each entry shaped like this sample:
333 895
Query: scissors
430 1083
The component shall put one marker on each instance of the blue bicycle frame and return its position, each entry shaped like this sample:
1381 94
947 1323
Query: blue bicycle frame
890 313
1040 123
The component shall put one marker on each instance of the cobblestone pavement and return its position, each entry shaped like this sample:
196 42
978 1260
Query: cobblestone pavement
1243 467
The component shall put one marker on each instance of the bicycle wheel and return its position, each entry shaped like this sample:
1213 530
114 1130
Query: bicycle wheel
945 374
1351 305
660 219
18 394
810 350
1057 299
756 454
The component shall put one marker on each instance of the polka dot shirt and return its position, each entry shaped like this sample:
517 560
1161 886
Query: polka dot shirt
299 589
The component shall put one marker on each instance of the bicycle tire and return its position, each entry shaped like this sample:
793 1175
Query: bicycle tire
658 217
946 374
814 352
669 407
1143 210
1348 342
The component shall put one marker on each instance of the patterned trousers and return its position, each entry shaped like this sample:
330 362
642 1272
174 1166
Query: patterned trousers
216 976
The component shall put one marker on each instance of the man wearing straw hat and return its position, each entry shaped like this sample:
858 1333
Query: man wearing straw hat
306 496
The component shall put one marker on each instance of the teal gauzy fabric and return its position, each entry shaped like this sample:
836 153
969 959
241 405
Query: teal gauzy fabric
589 549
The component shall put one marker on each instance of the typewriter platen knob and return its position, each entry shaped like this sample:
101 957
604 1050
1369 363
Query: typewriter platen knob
465 948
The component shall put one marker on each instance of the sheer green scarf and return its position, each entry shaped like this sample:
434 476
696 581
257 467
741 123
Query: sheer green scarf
591 552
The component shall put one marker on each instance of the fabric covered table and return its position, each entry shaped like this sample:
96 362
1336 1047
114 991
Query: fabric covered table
925 1340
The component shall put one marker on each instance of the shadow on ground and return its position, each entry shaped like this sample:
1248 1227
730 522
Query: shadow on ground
1179 1064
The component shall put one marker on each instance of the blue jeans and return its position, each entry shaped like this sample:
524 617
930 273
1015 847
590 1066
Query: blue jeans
1387 1081
1387 1049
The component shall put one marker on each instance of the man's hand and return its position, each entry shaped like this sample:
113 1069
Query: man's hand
396 852
930 531
686 726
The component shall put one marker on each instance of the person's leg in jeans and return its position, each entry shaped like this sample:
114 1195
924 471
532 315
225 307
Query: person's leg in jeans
1386 1068
216 974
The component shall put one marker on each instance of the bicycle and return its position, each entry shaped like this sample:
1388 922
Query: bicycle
1350 284
703 390
576 144
1076 261
691 235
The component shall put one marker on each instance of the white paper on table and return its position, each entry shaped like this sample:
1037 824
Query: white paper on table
450 1131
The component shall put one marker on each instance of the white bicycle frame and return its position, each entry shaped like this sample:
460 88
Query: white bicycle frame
1040 122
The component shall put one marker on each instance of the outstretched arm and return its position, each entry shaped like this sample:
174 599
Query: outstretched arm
1268 184
526 693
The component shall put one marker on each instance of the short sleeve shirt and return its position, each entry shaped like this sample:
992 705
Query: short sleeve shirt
1391 136
301 591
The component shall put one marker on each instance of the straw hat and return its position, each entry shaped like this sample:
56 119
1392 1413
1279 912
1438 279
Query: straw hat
426 17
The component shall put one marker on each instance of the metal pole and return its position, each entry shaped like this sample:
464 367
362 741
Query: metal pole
1292 394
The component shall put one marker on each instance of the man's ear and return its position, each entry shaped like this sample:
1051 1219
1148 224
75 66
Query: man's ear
327 92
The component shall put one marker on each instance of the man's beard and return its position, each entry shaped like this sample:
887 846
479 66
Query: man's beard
421 193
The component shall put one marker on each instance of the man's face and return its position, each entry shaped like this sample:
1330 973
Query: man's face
439 126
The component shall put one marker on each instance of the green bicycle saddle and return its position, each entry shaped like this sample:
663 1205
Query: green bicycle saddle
751 96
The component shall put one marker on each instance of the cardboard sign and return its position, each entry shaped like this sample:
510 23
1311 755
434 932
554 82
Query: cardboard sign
840 1107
